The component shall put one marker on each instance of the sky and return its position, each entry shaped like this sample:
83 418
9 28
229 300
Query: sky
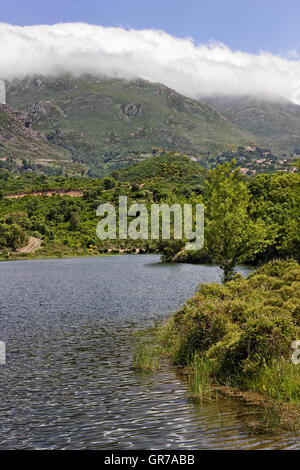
247 25
198 48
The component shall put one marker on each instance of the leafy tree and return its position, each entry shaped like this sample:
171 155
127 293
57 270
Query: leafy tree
230 233
135 187
109 182
12 236
169 248
74 222
115 174
275 198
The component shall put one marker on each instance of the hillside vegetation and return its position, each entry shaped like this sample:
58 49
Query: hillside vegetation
67 224
268 204
107 123
171 167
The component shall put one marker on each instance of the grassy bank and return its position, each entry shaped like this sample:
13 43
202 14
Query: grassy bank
238 337
36 256
57 252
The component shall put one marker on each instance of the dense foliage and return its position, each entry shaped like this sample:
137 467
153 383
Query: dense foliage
231 233
247 220
67 223
243 331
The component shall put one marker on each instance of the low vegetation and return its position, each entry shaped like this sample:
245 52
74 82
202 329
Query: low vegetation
239 335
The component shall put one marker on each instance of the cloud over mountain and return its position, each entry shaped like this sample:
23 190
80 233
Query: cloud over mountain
192 69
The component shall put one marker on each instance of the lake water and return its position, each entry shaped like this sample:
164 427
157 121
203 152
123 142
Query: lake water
68 381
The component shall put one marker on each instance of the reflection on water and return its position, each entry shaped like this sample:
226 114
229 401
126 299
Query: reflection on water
68 381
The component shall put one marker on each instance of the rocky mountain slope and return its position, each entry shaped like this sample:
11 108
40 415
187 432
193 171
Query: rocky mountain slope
105 122
102 124
19 141
274 121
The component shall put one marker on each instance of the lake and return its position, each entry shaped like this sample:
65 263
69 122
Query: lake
68 382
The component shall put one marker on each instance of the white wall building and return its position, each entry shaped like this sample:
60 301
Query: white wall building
2 92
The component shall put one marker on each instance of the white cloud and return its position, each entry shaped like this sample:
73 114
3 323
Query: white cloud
192 69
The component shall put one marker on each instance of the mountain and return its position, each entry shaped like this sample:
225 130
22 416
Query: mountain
96 125
20 142
274 121
108 123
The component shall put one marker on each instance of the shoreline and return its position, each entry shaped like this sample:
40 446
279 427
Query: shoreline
236 339
45 257
270 417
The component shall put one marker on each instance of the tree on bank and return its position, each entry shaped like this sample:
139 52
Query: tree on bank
231 235
275 198
12 236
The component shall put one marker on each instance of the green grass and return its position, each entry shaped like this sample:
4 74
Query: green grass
147 350
146 357
279 381
200 380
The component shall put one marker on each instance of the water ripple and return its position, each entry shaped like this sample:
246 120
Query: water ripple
68 381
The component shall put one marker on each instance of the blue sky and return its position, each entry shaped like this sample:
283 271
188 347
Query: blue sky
248 25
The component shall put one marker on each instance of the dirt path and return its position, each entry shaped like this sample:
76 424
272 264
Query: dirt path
46 193
33 244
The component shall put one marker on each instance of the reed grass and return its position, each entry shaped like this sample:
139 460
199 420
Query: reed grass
199 380
146 357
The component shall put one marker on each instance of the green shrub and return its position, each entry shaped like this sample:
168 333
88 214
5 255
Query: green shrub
242 328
